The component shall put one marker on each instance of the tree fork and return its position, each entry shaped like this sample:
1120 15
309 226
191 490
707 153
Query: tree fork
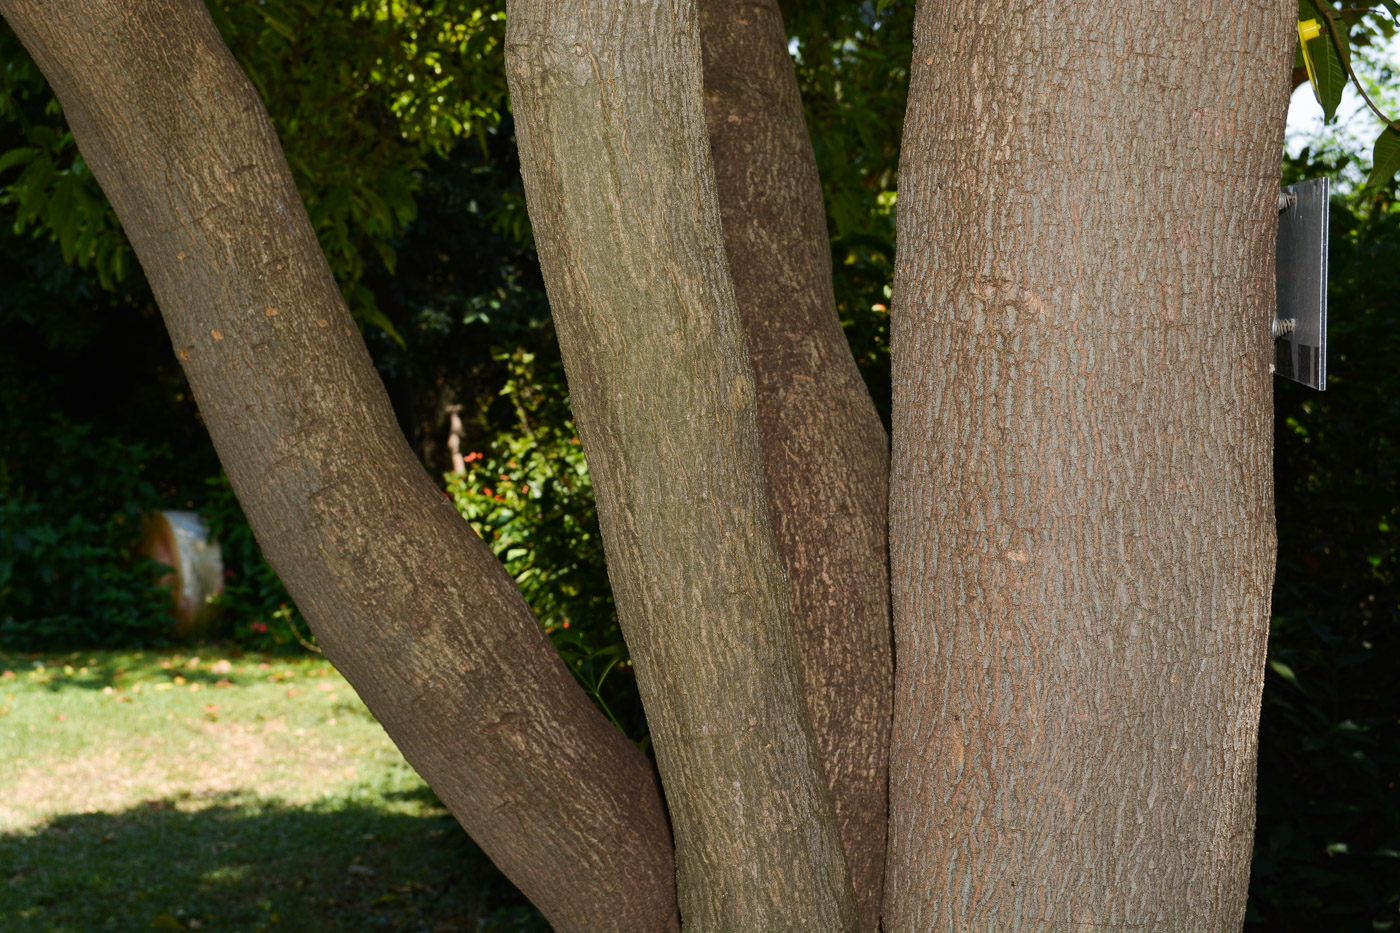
825 453
615 155
1082 534
406 600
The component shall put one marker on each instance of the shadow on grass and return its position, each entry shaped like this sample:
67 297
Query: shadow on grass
237 862
57 672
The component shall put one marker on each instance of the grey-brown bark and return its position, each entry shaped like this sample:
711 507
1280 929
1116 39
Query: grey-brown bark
615 156
403 596
825 453
1081 498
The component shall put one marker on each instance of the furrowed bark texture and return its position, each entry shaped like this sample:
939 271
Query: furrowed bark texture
614 152
1081 499
405 599
825 453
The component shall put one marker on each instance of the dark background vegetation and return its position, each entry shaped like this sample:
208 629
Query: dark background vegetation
396 126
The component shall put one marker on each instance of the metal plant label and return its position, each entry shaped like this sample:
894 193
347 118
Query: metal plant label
1300 328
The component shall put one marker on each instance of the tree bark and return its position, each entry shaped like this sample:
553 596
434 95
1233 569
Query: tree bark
405 599
825 453
616 162
1081 499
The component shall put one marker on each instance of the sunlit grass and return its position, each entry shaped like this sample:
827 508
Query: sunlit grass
143 790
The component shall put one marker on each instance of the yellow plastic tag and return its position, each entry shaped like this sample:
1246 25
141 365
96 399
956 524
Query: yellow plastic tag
1309 29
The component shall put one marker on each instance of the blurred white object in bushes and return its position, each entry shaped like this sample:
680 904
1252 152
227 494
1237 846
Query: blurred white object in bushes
180 540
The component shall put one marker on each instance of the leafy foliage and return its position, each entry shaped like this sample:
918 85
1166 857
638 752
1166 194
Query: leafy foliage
852 62
70 509
530 498
359 99
1385 160
1327 849
47 186
1328 58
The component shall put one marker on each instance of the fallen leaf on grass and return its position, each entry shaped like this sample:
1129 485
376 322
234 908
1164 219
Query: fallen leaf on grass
166 922
8 675
223 683
192 664
221 667
181 681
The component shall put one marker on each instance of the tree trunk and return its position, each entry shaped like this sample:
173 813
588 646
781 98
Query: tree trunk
616 162
405 599
825 453
1081 500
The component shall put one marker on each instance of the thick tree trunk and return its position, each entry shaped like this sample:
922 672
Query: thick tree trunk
405 599
825 453
615 156
1081 506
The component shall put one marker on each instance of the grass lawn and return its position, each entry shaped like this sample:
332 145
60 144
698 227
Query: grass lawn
163 791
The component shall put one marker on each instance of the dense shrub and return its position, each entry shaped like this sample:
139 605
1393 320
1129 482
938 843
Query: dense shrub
1327 844
527 493
70 514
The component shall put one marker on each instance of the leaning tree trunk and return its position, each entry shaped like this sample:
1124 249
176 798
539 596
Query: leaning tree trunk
1081 500
825 453
616 162
406 600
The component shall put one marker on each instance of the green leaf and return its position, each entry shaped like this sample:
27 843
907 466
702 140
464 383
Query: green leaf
281 27
1385 160
376 318
1328 72
1284 671
1342 38
1331 74
17 157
